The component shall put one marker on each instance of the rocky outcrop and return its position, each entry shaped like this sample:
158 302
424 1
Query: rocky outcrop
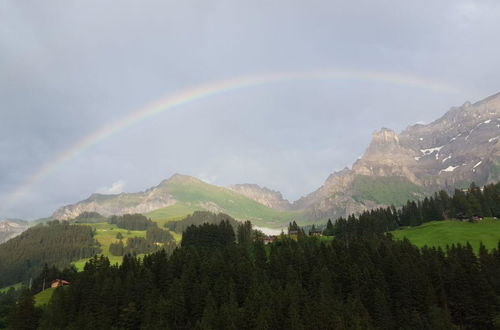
141 202
460 147
385 156
262 195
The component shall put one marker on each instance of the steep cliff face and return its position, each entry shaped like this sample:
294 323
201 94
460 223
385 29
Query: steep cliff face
386 157
460 147
262 195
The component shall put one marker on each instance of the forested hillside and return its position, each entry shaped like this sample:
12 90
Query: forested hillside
367 283
223 276
198 218
56 243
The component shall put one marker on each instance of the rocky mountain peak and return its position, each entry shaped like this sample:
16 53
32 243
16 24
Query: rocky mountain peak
384 142
460 147
271 198
385 136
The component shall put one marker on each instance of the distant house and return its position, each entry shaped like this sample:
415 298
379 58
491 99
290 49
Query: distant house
57 283
269 239
315 232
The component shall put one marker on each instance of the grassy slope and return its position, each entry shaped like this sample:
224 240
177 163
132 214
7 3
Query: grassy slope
442 233
171 213
105 235
14 286
385 190
197 195
43 298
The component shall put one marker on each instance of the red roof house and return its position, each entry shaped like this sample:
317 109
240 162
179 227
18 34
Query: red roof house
57 283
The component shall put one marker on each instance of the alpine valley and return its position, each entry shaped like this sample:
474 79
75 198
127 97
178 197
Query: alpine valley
461 147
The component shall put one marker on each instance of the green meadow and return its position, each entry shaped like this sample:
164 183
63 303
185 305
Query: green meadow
385 190
105 234
448 232
14 286
174 212
196 195
43 297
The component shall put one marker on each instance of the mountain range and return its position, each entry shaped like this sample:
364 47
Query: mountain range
460 147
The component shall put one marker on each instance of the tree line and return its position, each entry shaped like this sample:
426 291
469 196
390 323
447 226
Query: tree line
156 238
462 205
131 221
200 217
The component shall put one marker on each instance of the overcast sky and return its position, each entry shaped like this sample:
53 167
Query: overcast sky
69 68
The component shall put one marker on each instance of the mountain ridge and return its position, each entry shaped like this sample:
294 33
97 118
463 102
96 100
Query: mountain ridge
457 148
177 196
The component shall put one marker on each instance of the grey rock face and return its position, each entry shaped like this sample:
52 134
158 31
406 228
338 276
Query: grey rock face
262 195
460 147
141 202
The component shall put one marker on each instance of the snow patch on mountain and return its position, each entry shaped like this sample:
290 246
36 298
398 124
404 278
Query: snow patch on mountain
430 150
449 169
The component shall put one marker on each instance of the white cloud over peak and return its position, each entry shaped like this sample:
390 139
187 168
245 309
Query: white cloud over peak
115 188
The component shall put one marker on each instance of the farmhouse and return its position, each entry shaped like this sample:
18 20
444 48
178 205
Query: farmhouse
270 239
57 283
315 232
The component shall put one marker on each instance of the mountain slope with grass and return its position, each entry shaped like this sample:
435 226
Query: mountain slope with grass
177 197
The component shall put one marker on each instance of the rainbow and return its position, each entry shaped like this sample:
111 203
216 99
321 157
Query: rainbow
214 88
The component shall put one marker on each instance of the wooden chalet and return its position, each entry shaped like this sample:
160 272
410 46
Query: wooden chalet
57 283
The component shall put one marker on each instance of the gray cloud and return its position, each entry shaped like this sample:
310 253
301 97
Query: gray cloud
69 68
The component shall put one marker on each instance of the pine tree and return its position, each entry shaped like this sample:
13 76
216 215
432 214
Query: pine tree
24 316
245 233
329 230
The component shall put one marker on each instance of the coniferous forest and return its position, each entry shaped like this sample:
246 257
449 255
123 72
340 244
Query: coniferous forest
222 278
462 205
56 243
367 283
